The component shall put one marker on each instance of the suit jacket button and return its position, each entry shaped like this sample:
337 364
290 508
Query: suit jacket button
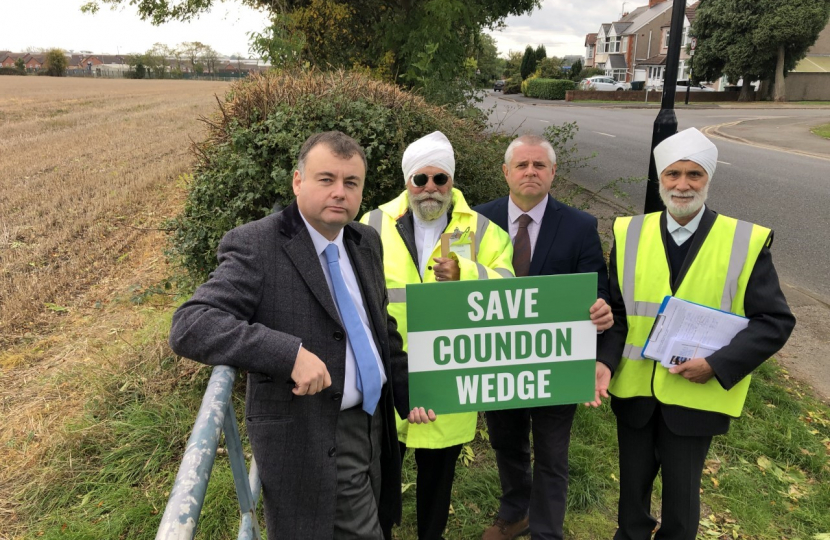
332 451
338 335
337 396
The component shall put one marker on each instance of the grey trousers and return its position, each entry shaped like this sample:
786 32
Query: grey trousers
358 475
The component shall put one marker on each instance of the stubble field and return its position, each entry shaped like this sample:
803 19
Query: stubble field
89 170
83 169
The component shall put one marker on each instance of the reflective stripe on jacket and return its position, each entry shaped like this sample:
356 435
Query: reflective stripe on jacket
494 255
717 278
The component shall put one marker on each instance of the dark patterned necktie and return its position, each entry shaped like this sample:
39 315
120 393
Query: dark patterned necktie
521 247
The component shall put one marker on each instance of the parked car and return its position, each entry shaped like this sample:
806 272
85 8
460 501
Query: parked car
602 83
682 84
498 86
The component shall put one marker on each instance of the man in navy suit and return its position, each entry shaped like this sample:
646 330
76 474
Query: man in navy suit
548 238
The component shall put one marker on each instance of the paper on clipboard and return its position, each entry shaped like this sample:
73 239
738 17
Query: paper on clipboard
684 330
462 243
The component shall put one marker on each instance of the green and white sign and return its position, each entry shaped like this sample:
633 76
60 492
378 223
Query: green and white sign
502 343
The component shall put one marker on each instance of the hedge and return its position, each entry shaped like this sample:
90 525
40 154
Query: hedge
513 85
245 165
548 88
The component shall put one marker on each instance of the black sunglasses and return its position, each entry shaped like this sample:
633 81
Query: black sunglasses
420 180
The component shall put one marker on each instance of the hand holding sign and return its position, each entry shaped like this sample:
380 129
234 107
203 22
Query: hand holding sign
420 416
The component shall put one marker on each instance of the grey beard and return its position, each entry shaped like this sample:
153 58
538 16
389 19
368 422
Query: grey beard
688 209
429 210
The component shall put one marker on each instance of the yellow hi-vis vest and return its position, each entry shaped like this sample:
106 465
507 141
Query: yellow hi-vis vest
494 256
717 278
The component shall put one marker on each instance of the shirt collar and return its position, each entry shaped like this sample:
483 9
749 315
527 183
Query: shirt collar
321 242
672 225
536 213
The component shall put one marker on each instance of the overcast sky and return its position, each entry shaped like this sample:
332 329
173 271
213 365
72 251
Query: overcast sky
559 25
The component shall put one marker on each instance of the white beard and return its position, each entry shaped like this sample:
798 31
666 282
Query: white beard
430 210
694 200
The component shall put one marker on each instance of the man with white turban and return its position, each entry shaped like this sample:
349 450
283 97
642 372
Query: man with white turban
666 418
410 228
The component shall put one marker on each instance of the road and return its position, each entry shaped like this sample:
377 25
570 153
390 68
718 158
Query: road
787 192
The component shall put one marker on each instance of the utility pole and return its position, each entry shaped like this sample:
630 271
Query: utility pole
666 123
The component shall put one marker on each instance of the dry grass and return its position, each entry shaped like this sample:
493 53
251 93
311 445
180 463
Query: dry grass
88 173
84 166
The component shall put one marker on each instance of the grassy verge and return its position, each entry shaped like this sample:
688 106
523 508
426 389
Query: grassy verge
822 131
768 478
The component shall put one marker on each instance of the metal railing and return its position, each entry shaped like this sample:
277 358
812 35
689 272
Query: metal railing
216 415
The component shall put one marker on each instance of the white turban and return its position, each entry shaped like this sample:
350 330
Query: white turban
689 144
433 150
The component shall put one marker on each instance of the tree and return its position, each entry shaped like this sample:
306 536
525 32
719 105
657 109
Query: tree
550 68
513 65
576 69
370 33
193 51
55 63
755 39
540 53
138 69
528 62
20 65
209 59
156 59
486 54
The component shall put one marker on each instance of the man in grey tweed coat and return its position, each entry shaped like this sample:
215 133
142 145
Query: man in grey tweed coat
329 468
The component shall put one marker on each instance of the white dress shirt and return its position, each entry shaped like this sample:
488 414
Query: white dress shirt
351 395
427 234
536 214
681 233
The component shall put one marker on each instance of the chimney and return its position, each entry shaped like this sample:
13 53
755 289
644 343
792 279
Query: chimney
652 3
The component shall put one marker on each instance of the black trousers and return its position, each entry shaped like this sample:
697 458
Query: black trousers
544 492
644 451
433 488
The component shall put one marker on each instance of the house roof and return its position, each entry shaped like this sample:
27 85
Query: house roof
617 61
659 60
634 14
813 64
620 27
591 39
691 12
648 15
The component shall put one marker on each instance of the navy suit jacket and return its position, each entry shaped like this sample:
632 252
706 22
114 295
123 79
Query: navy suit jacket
568 241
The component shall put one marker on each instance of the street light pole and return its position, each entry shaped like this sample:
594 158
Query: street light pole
666 123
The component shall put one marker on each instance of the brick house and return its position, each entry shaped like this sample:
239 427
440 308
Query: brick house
590 49
634 48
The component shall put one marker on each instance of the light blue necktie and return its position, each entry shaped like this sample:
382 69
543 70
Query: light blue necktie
368 374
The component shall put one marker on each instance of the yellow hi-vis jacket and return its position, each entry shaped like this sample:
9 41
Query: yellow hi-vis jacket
494 256
717 278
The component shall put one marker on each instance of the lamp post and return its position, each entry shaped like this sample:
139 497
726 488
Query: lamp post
666 123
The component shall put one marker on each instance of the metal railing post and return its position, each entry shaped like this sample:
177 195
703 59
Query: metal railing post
188 494
248 527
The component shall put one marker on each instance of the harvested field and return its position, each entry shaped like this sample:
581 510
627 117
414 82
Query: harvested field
89 170
84 166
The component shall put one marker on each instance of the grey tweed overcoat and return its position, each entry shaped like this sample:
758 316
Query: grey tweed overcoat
267 296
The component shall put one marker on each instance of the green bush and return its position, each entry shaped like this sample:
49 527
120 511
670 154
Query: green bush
513 85
246 163
10 71
548 88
